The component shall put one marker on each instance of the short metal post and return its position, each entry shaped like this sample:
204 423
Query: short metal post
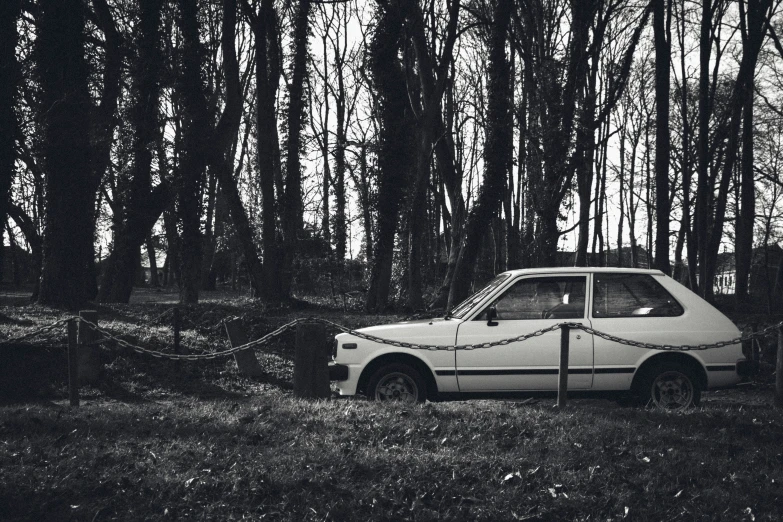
562 377
779 372
177 326
73 363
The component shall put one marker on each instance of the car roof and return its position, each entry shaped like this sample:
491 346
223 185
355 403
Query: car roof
582 270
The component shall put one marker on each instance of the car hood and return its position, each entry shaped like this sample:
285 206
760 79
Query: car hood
422 330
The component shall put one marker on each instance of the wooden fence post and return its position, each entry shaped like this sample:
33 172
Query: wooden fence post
73 363
246 359
562 377
89 356
311 362
779 372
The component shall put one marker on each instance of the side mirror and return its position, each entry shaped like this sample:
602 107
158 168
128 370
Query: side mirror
492 314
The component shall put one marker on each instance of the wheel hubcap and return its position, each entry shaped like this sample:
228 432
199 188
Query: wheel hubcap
397 387
672 391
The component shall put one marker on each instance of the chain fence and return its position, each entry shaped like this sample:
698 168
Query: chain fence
107 336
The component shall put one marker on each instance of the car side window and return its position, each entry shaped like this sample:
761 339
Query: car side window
542 298
632 295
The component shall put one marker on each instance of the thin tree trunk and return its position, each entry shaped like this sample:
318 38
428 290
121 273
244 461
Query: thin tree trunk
154 282
620 196
702 196
631 206
292 212
662 31
746 214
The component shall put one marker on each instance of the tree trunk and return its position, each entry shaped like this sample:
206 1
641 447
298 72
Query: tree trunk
292 211
584 168
662 30
702 196
143 205
267 79
154 281
195 147
747 210
210 242
393 160
631 206
340 226
499 136
621 182
172 251
746 214
68 241
28 228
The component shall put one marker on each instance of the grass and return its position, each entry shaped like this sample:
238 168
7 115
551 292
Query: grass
157 440
272 456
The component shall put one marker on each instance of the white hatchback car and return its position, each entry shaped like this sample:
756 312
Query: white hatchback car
634 304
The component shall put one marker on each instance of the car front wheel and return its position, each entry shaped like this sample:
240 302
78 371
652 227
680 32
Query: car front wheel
670 387
397 382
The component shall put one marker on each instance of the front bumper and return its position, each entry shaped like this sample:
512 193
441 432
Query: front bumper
338 372
747 367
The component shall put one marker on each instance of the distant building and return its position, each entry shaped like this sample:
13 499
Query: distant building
764 267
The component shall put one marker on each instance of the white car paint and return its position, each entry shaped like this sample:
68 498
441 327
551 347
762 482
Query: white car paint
594 363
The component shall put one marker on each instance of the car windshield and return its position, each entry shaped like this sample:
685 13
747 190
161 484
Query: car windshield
462 309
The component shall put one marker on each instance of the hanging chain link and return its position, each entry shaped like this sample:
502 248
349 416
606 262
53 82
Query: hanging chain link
35 333
107 336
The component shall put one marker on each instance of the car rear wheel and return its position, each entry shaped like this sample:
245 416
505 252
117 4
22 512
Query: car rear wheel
397 382
671 387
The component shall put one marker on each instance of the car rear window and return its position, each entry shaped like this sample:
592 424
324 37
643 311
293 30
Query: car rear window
632 295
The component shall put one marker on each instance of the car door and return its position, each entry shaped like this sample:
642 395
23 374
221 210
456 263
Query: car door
528 304
633 306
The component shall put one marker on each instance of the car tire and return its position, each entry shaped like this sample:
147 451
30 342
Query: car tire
397 382
671 387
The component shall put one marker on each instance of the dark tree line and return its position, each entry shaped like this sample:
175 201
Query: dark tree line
260 140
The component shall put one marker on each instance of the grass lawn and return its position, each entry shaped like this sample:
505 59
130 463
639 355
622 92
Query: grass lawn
194 441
